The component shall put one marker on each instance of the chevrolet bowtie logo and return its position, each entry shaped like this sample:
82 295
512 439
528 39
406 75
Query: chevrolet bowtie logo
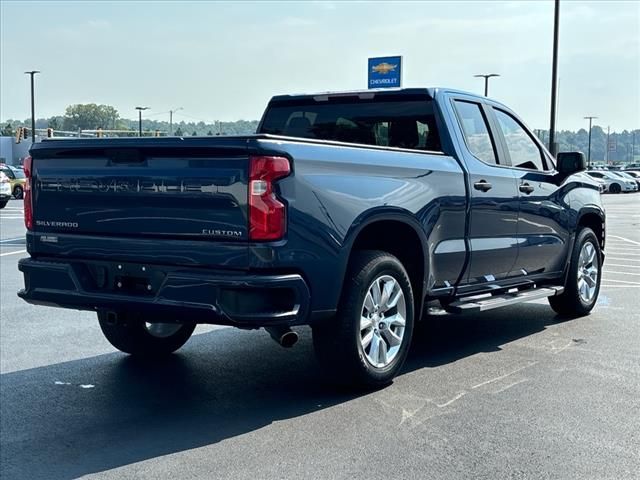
384 68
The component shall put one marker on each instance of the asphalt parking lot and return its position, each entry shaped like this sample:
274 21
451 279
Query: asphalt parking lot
513 393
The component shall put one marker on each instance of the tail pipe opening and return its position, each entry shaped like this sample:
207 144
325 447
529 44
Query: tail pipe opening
283 336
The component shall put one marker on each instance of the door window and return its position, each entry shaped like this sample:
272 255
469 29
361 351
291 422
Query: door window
475 130
524 152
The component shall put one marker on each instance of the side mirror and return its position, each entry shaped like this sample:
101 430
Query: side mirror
571 162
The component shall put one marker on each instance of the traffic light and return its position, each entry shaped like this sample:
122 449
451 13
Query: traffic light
18 134
49 132
25 133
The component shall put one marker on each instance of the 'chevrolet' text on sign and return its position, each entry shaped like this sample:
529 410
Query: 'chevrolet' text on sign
385 72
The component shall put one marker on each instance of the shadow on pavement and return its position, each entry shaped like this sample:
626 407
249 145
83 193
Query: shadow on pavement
222 384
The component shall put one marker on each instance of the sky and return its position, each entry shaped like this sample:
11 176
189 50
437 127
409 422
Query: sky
224 60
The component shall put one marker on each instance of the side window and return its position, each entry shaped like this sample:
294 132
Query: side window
475 130
524 152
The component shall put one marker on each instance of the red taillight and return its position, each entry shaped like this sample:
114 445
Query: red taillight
267 214
28 204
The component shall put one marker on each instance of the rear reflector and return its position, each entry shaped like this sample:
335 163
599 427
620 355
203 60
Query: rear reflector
28 202
267 214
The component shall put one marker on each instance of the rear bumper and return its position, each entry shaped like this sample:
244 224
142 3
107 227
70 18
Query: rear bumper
166 293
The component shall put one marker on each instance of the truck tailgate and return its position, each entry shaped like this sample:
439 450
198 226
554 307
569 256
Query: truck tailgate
143 188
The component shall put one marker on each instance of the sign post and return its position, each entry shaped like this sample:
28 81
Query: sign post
385 72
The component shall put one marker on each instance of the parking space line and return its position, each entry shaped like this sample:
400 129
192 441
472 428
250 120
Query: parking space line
620 281
12 253
618 265
8 240
625 239
611 257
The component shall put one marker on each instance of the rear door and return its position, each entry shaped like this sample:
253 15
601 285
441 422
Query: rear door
542 218
494 197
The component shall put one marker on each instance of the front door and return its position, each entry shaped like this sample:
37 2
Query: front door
543 239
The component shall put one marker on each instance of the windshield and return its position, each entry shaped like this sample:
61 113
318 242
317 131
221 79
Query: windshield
397 123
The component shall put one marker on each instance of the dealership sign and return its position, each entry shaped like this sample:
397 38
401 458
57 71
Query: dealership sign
385 72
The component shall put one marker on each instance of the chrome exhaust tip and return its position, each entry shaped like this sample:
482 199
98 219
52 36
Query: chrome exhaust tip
283 336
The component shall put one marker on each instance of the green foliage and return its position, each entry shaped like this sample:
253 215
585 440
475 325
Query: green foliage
7 130
89 116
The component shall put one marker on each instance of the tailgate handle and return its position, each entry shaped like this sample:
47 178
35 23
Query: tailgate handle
126 156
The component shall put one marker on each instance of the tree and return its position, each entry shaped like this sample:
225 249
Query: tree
89 116
7 131
210 133
194 134
178 132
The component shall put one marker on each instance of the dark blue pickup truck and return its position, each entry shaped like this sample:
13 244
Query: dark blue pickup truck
347 212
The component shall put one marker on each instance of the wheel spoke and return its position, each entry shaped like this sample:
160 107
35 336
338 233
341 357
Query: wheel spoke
365 323
592 256
374 352
366 340
375 292
396 320
387 291
589 281
383 351
390 336
369 304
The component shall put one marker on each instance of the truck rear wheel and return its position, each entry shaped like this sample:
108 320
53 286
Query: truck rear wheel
583 283
367 342
131 334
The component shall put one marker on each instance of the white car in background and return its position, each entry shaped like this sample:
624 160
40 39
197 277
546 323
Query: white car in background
615 183
628 177
5 190
634 174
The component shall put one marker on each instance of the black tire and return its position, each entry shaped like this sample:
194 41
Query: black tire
18 192
570 303
129 334
615 188
337 342
3 203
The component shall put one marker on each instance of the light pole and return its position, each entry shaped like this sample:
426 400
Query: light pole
486 77
140 109
33 107
171 112
589 148
554 80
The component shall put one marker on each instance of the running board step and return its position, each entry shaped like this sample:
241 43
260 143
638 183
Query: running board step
482 303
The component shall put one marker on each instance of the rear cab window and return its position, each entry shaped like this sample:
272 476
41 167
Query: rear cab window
386 121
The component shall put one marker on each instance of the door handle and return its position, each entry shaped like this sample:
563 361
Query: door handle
483 186
526 188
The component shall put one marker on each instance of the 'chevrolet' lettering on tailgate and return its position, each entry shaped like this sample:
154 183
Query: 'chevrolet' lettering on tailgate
93 185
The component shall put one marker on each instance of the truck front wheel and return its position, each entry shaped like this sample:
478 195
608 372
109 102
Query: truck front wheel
131 334
583 283
367 342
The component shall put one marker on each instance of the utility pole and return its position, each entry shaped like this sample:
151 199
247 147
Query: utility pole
33 107
171 112
486 77
554 80
607 153
140 109
589 149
